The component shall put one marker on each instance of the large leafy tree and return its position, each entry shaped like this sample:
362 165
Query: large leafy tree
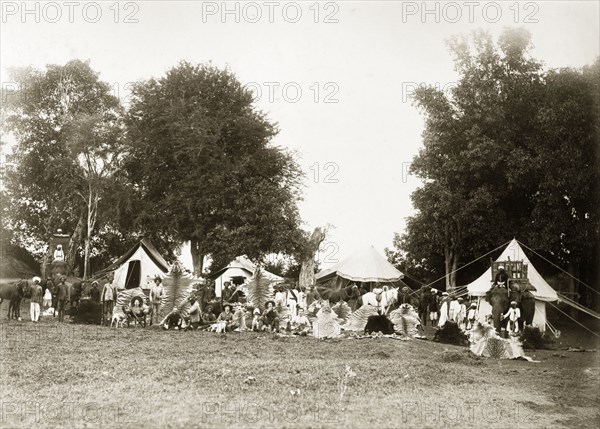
201 160
565 216
65 121
495 162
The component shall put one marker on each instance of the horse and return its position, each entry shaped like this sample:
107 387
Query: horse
333 295
14 293
388 298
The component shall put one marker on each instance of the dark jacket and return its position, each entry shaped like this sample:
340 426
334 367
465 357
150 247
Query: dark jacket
502 277
95 294
63 292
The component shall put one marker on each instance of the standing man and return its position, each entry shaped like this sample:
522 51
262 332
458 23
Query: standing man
63 296
293 299
156 294
36 299
108 297
444 309
95 292
453 309
433 307
53 290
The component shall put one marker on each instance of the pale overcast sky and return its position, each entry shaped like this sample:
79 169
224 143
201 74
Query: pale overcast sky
335 76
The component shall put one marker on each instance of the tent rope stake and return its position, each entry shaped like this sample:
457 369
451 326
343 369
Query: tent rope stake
580 324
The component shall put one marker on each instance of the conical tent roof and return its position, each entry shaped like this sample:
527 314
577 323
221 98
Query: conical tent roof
366 265
514 251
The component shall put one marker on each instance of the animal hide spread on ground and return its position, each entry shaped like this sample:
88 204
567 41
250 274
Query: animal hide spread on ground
326 325
406 321
450 333
342 311
379 323
357 321
486 342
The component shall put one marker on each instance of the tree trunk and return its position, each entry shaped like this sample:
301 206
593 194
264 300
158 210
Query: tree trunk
572 288
307 269
453 272
595 277
197 257
74 244
92 215
447 266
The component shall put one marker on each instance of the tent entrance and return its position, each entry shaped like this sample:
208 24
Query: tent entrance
134 269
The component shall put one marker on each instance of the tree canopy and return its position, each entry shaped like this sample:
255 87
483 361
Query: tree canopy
66 123
511 151
200 158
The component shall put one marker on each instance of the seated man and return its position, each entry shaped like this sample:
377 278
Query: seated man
208 317
195 315
256 322
227 316
135 311
300 323
270 317
501 279
59 255
172 321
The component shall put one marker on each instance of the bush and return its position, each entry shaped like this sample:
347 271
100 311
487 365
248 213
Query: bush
88 312
450 333
532 338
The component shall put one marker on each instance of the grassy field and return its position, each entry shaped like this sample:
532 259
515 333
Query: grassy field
65 375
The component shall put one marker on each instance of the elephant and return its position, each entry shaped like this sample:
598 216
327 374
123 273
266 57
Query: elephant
499 299
525 301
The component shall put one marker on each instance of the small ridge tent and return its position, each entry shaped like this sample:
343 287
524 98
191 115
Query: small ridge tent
138 266
240 268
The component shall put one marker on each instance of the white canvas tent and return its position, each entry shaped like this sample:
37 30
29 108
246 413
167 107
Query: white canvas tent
138 267
239 267
366 266
544 292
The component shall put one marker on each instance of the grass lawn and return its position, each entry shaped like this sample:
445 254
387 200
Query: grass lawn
65 375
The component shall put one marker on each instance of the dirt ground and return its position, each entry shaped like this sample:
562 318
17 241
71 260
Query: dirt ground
83 376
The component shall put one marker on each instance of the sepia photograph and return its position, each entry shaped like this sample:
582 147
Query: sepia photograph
299 214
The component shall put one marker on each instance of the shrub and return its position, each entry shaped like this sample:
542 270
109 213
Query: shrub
450 333
87 312
532 338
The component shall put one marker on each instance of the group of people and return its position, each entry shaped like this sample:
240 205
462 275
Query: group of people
440 308
237 317
50 300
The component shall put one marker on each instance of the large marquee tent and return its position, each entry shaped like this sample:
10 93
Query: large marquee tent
365 266
544 292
